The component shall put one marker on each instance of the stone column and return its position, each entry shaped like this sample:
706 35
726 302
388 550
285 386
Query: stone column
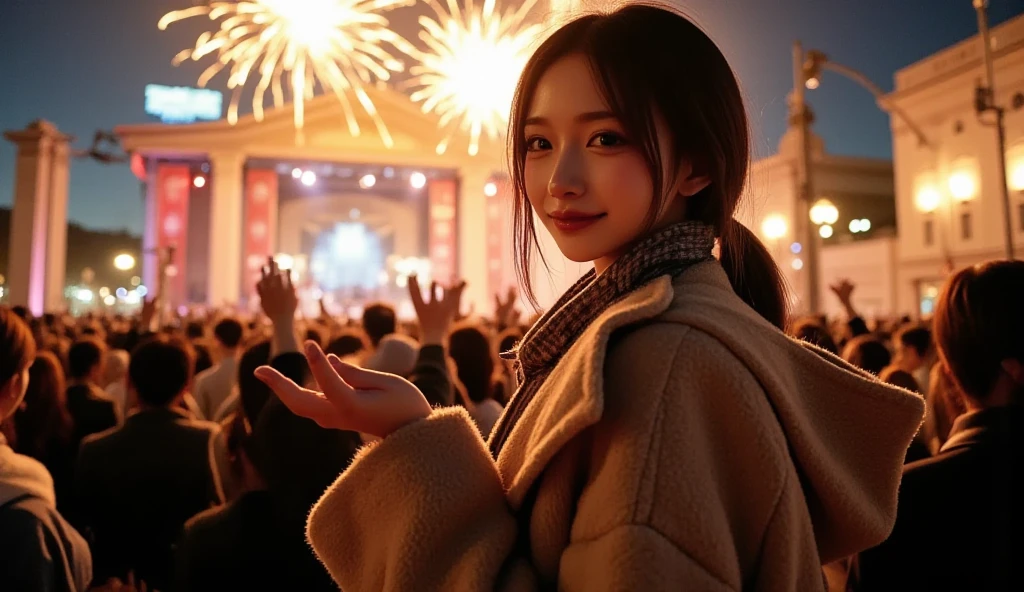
225 253
150 258
38 241
472 238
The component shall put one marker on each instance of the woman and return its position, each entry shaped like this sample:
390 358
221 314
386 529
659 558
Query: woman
665 432
43 426
40 550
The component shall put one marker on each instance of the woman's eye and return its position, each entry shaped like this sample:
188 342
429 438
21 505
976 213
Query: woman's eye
607 140
536 143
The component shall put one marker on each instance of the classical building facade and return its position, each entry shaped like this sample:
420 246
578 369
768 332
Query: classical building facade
228 196
948 195
860 189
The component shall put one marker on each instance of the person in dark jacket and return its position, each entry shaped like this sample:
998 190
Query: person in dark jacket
92 411
960 524
137 485
40 551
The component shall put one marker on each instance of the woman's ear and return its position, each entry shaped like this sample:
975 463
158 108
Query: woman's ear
690 179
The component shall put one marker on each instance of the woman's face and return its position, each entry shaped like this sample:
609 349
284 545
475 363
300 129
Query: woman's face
585 179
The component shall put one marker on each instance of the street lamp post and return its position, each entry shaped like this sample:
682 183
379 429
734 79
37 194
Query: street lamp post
800 115
985 101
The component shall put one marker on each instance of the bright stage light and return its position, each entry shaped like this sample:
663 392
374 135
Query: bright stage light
308 178
417 180
296 173
367 181
491 189
199 182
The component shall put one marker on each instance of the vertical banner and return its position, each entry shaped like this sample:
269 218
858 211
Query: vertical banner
173 183
498 234
260 232
442 231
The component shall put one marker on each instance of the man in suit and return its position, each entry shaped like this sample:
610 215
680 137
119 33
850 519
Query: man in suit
137 485
90 407
959 525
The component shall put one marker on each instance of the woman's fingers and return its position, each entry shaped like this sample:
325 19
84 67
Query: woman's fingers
301 401
333 387
360 378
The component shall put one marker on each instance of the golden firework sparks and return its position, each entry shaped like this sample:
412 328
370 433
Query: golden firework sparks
296 44
469 72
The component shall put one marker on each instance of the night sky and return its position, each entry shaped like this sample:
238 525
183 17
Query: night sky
83 64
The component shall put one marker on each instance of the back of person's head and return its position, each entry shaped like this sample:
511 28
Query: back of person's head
21 312
253 393
229 333
17 351
470 348
395 354
867 352
85 357
160 370
378 322
635 55
195 330
915 337
348 343
314 334
202 357
815 333
45 417
979 326
901 378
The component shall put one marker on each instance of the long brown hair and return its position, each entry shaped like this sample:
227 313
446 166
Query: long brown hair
979 323
650 60
45 418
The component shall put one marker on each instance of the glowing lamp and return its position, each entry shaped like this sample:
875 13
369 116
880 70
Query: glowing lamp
962 186
824 212
774 227
927 199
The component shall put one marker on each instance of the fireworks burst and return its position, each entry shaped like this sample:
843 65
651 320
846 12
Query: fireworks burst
469 73
295 44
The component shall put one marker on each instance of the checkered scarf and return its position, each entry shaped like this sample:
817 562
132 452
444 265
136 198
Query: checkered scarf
669 251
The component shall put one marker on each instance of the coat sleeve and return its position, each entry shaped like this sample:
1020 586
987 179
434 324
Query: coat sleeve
425 510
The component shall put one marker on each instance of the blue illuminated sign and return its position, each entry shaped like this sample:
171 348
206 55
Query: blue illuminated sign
181 104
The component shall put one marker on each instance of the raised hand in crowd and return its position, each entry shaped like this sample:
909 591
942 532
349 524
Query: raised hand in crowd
505 312
440 309
279 302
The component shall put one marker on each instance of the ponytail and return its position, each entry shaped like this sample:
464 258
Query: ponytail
753 273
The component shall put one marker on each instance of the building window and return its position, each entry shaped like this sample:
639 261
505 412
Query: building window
966 232
929 233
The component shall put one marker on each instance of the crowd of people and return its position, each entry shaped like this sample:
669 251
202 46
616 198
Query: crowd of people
665 424
172 465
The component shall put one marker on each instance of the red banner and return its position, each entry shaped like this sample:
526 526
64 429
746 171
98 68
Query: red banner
442 230
173 185
260 225
498 237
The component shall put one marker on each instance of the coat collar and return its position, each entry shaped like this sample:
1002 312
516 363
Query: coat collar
572 397
995 424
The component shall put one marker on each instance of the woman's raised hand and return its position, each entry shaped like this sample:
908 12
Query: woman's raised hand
352 398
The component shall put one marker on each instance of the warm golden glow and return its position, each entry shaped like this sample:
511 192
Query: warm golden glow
962 186
927 199
468 73
825 231
337 45
1016 175
124 262
774 227
824 212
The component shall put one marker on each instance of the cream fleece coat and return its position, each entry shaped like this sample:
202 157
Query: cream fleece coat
681 443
